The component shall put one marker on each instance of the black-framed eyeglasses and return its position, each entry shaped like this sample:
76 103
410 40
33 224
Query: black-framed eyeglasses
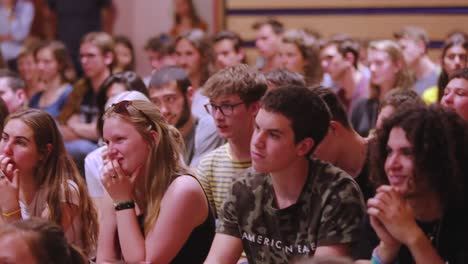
122 108
225 109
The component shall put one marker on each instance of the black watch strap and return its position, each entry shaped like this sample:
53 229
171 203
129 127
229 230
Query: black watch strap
124 205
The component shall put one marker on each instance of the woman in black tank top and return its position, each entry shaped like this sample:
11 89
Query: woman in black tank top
154 209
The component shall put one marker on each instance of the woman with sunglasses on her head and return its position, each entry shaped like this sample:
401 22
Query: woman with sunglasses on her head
154 210
39 179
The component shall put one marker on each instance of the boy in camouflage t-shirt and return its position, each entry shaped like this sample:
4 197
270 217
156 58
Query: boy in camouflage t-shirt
288 207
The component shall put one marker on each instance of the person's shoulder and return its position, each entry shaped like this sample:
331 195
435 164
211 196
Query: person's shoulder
185 187
250 179
326 173
95 155
217 153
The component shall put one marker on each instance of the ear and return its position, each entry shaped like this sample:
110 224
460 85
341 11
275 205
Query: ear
304 146
240 55
399 64
421 45
108 58
154 135
336 128
190 92
47 152
21 95
350 58
254 107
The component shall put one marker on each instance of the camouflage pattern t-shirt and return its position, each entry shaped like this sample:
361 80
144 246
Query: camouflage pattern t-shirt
328 212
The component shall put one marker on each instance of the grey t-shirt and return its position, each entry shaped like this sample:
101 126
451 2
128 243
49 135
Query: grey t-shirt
431 80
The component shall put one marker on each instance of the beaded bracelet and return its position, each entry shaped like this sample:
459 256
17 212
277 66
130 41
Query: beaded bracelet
11 213
376 258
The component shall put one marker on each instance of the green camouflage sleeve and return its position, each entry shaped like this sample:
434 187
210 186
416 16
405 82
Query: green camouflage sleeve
228 223
343 210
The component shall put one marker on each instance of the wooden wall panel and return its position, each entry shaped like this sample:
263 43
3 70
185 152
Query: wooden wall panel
360 26
252 54
261 4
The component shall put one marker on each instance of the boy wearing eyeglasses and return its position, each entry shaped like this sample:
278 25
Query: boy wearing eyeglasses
234 95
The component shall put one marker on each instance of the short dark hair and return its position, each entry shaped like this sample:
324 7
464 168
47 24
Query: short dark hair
439 140
460 74
400 97
129 79
229 35
336 107
170 73
14 80
346 45
276 26
162 44
308 113
283 77
45 240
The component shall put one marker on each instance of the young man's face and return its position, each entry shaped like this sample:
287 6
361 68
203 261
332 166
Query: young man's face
13 100
94 62
412 50
333 62
158 60
237 115
174 106
267 41
399 164
188 57
455 59
272 146
456 97
226 54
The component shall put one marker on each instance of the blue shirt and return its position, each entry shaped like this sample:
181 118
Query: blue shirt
19 28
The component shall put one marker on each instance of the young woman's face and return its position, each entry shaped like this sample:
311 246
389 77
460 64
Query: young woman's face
18 145
27 67
383 69
455 59
47 64
123 55
291 57
125 144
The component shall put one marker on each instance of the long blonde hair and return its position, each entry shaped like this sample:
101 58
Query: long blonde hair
163 163
54 172
403 78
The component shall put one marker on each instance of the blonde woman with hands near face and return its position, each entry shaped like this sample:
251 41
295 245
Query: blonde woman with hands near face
153 209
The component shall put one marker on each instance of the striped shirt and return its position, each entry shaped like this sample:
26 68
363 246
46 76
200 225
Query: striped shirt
216 171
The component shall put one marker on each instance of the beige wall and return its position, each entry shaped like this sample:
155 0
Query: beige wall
141 19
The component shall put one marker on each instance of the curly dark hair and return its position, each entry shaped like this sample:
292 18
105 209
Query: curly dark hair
439 140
